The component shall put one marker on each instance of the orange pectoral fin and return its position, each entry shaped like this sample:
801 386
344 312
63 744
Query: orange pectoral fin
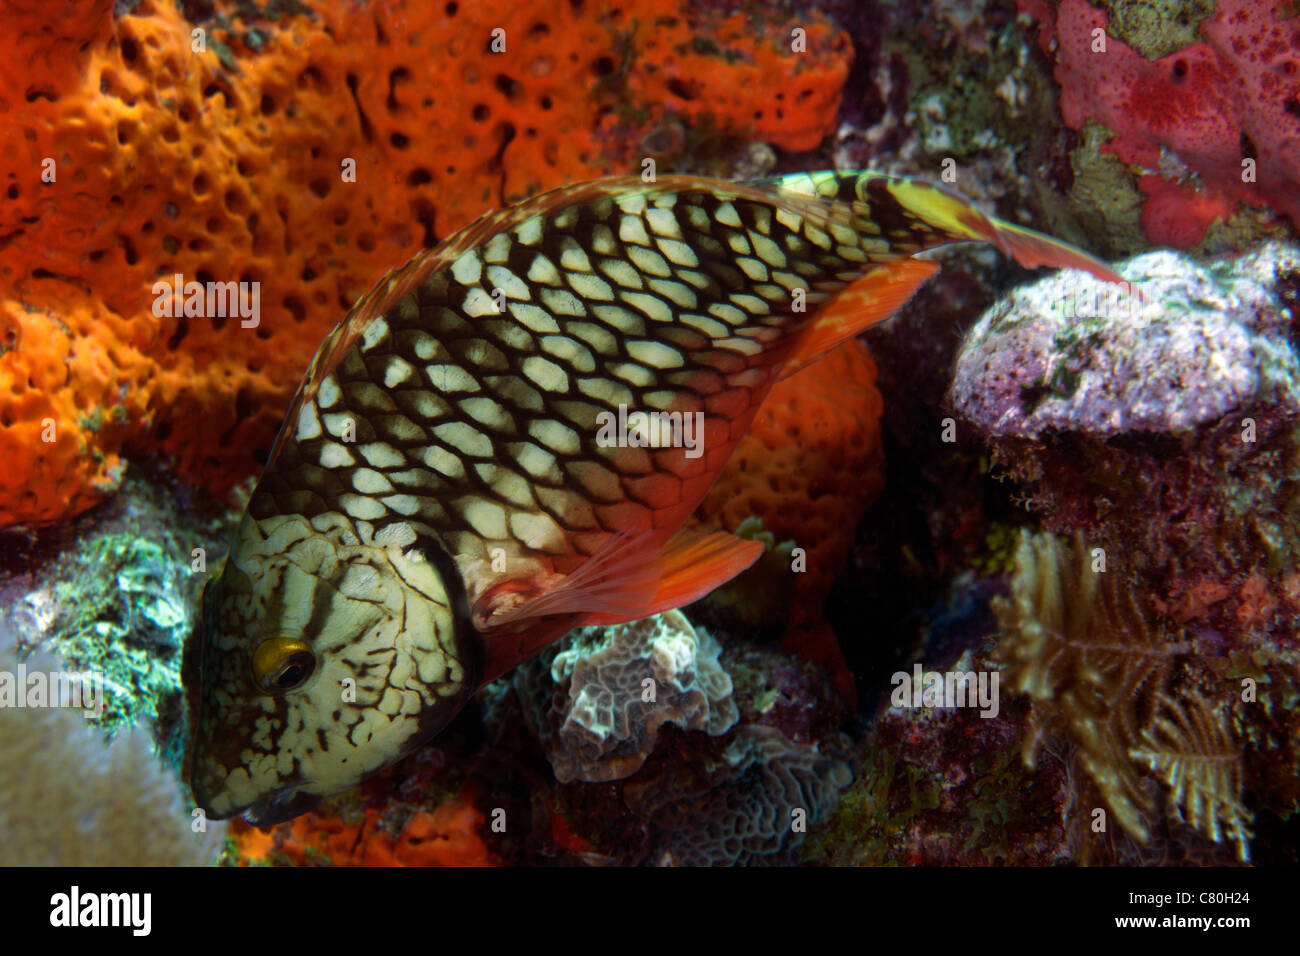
626 580
619 578
860 305
691 565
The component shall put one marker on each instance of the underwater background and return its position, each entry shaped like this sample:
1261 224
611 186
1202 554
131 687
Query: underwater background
1087 490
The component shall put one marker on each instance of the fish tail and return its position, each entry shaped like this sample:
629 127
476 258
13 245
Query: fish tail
913 215
894 218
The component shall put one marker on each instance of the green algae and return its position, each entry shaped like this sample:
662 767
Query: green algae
1246 228
122 616
870 825
1103 197
123 599
969 101
1157 28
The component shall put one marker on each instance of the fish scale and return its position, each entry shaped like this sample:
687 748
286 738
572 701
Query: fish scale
440 504
551 389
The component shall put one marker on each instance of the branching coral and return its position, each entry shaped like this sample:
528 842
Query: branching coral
306 151
1100 673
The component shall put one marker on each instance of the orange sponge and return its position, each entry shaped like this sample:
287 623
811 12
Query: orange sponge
71 384
307 154
809 467
449 835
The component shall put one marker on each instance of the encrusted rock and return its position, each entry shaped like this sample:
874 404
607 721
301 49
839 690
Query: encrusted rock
1181 344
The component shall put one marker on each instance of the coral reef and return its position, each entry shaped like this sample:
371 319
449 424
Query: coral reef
1161 423
69 797
597 699
292 147
939 787
1118 414
1093 490
749 795
449 835
1158 421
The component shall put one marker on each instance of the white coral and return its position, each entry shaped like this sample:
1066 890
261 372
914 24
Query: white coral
69 798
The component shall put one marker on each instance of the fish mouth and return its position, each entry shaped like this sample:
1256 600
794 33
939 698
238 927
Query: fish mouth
279 807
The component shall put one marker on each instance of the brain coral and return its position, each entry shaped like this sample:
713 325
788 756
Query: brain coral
751 810
306 151
585 697
809 467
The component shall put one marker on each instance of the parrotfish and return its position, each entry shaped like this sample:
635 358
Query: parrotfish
486 453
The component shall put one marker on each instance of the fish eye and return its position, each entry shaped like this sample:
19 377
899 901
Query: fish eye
282 664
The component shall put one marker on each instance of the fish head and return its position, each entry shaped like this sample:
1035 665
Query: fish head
319 660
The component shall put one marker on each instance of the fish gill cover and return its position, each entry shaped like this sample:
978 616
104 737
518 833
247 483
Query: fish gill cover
1059 628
